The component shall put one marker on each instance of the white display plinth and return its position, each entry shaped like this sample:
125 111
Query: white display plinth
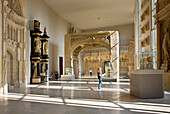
147 83
67 77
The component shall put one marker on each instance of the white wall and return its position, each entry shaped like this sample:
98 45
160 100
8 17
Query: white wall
56 29
125 31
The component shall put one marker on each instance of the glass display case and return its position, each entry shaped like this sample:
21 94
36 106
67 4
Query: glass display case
148 60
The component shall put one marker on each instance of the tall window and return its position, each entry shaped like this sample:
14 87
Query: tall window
154 34
147 34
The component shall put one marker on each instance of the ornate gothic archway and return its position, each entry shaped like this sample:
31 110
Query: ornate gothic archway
74 43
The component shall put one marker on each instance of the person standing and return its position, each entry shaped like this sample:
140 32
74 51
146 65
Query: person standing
90 72
99 77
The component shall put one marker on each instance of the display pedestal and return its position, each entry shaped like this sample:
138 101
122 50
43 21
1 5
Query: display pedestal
167 81
67 77
36 80
147 83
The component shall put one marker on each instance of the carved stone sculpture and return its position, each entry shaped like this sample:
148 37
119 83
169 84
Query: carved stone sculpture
45 48
38 45
15 7
35 69
14 4
43 68
165 45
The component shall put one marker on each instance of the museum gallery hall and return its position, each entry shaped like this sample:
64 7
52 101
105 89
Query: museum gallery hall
84 56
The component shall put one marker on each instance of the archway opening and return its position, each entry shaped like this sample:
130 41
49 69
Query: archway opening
106 42
92 58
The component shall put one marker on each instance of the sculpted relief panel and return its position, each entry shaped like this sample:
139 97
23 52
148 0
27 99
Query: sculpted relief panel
15 6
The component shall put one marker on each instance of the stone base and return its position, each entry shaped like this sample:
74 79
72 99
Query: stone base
67 77
5 89
167 81
147 83
36 80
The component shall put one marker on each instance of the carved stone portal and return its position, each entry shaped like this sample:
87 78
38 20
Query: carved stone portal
13 40
74 43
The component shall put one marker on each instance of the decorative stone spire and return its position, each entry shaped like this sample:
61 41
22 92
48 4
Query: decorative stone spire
45 30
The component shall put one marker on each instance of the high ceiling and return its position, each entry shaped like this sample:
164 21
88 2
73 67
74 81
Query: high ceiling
93 14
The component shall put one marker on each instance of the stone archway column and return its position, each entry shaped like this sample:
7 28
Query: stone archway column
20 72
1 88
75 66
4 50
24 77
4 76
24 61
68 69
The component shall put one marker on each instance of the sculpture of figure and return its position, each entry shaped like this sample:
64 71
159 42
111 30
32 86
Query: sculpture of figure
168 39
36 24
38 45
45 48
43 68
15 6
165 45
35 69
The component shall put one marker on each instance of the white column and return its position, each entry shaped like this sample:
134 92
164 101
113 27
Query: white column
28 58
1 91
117 34
4 51
24 78
4 78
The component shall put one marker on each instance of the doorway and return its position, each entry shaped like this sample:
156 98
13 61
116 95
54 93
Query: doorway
60 66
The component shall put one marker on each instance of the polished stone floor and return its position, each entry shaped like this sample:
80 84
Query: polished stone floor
79 97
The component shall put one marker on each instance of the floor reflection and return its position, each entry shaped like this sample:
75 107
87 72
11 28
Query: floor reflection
79 97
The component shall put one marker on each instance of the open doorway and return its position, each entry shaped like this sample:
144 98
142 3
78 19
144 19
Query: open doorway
92 58
60 66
